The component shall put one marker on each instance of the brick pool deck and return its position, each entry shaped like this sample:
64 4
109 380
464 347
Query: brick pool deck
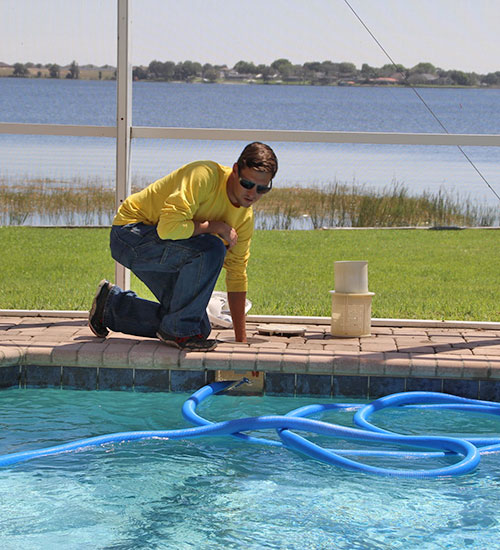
389 353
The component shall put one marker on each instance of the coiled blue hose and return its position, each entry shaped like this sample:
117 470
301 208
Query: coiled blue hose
432 400
465 450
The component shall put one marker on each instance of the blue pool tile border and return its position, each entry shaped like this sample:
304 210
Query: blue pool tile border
185 380
10 377
424 384
350 386
36 376
79 378
116 379
385 385
462 388
275 383
157 380
313 384
489 390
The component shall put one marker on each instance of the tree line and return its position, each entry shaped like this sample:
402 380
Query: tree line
313 72
283 70
54 70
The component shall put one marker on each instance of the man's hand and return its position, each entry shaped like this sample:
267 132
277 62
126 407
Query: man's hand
222 229
227 232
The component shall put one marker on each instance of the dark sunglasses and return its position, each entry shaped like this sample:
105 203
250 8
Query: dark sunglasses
261 189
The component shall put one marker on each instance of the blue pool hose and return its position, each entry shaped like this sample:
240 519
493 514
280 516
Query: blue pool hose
465 452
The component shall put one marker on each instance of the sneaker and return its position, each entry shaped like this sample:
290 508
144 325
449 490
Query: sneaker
96 313
192 343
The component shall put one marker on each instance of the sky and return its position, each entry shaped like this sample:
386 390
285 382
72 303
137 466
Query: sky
450 34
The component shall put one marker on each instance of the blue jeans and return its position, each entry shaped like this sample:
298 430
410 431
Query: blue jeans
181 274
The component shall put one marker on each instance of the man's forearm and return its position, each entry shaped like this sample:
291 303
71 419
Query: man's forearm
237 301
205 227
220 228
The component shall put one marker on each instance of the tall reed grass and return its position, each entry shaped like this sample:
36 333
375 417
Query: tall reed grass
351 205
91 202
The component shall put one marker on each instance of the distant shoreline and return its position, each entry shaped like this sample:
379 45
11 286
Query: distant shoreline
107 73
269 83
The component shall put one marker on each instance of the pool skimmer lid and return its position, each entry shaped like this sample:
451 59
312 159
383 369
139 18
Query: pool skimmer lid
281 330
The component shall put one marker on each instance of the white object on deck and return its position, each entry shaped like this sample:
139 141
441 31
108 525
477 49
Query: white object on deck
218 310
351 300
281 330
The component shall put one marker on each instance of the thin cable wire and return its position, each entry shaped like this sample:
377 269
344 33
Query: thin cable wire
421 98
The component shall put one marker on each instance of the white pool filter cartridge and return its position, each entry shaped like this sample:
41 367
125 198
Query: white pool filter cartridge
351 276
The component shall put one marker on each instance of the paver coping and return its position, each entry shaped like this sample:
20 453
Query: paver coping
457 351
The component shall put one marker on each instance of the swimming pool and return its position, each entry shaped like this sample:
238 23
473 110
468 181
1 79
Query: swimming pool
220 492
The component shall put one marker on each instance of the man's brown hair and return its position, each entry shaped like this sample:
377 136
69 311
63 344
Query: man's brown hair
260 157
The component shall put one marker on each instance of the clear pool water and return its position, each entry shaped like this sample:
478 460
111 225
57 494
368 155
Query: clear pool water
220 492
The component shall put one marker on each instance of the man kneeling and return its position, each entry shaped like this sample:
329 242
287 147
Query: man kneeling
176 235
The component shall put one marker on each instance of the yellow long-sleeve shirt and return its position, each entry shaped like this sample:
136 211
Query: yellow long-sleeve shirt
194 192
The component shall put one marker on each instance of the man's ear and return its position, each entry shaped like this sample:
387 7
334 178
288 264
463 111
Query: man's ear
235 168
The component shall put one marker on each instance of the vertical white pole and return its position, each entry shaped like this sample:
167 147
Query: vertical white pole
123 120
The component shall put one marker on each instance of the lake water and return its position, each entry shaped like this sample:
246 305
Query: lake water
420 168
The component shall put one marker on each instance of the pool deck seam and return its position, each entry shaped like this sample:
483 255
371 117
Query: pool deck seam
467 353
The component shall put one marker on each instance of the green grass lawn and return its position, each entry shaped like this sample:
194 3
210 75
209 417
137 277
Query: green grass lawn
414 274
